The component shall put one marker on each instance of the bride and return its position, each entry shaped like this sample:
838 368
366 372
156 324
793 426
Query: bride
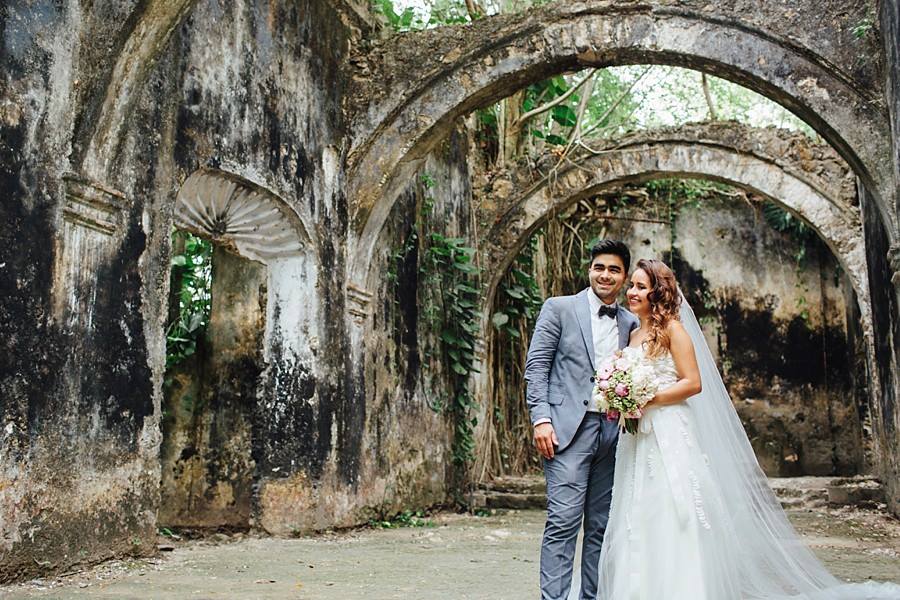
692 516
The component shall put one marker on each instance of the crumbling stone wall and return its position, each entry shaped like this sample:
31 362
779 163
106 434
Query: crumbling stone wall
97 143
884 268
820 76
106 110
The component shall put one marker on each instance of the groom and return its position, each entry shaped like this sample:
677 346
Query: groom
572 335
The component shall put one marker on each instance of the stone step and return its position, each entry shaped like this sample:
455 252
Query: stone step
517 485
794 493
798 493
492 499
857 491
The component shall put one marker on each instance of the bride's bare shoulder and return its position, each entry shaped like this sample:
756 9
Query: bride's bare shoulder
675 326
677 333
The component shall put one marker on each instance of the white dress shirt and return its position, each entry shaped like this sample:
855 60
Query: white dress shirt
605 334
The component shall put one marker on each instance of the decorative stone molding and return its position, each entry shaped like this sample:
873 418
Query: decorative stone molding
359 301
93 224
93 206
239 214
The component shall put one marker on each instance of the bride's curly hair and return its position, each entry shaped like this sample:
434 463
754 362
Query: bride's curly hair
665 304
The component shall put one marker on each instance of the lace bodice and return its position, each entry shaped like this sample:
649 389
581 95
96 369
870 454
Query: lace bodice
663 366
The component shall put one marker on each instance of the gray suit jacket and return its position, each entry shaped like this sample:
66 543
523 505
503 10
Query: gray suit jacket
560 365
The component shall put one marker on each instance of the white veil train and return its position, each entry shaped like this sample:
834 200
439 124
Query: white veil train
772 561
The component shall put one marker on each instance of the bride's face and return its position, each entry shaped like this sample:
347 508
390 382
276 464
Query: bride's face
638 289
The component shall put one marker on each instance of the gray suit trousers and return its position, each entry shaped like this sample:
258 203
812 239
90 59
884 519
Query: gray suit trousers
579 481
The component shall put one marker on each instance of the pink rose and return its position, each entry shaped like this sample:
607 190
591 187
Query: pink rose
606 371
621 390
612 415
603 384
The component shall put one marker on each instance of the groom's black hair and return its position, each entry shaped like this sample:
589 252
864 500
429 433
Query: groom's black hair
612 247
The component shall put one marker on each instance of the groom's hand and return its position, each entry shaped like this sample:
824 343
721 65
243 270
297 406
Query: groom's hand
545 439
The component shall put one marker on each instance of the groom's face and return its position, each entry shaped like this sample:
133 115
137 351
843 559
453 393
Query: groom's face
607 276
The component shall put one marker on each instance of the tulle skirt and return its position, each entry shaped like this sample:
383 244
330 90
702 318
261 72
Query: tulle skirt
667 537
671 536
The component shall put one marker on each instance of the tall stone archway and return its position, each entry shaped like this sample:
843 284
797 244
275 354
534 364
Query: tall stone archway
464 68
808 179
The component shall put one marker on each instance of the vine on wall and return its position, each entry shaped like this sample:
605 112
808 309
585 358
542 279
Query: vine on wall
448 294
518 303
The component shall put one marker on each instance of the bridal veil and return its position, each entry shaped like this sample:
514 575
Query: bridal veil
770 559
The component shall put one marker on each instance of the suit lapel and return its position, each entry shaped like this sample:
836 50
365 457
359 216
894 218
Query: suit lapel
583 315
624 325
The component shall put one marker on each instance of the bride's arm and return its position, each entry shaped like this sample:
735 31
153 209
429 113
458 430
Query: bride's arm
688 383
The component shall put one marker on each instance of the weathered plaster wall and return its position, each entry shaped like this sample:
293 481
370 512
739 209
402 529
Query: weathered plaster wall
340 428
78 479
889 26
406 379
884 269
781 336
250 87
886 367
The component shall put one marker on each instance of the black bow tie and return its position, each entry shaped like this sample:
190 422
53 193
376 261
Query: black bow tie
608 311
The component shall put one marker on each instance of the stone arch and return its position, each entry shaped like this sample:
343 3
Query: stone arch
151 32
239 214
465 68
808 179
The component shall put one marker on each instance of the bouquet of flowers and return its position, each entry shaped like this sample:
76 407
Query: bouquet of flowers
625 383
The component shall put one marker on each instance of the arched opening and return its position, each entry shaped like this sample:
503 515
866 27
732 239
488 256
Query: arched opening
766 166
422 100
232 237
779 312
391 138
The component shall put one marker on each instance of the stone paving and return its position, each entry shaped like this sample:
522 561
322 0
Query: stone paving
453 557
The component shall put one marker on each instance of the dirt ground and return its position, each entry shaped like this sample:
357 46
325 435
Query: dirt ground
454 557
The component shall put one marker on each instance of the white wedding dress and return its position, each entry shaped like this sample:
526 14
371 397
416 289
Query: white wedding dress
667 520
692 514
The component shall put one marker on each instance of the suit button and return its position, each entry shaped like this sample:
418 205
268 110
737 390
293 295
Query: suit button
585 402
592 379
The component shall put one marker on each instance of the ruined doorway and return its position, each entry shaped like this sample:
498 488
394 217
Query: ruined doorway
234 239
210 395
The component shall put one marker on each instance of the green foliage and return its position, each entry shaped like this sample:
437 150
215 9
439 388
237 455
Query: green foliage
782 220
442 12
405 20
521 299
449 261
191 281
863 27
406 518
607 110
805 238
448 292
672 96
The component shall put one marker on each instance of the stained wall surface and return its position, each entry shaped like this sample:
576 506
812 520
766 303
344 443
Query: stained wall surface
106 108
253 89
